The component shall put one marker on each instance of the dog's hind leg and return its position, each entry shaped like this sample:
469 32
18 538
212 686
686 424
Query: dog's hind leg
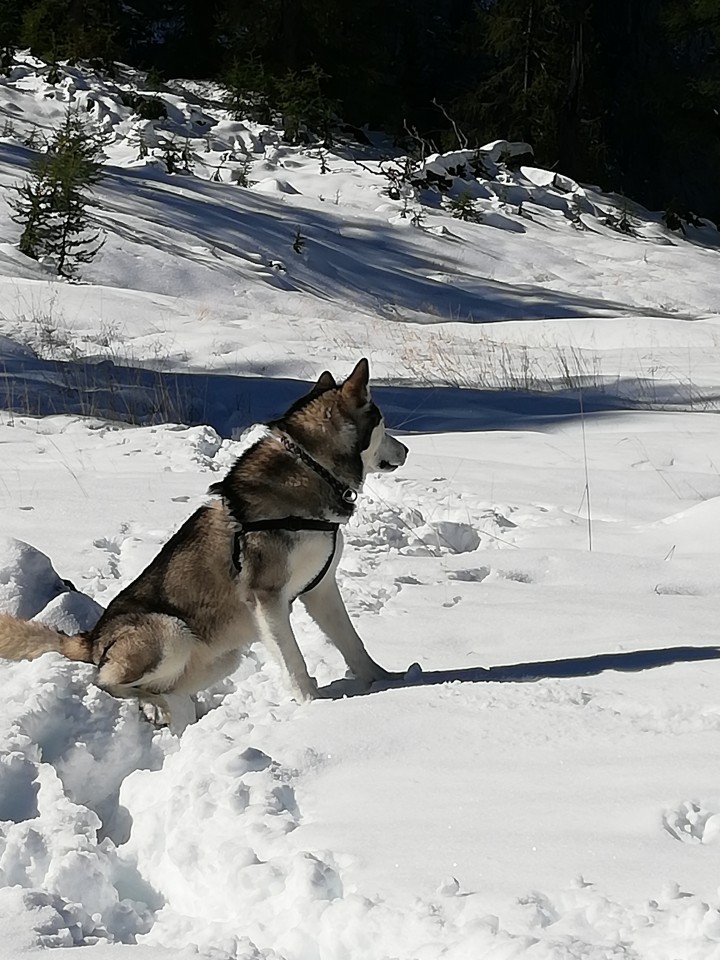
326 607
174 710
272 617
144 656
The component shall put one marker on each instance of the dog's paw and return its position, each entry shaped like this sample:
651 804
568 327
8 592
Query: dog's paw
411 675
373 673
175 711
155 712
305 690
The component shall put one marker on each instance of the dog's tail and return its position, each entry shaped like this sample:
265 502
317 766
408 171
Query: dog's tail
25 640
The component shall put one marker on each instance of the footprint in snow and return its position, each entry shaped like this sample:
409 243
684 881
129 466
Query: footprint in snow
451 603
517 576
677 590
691 822
471 575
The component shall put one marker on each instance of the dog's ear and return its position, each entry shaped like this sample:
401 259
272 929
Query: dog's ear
355 387
326 381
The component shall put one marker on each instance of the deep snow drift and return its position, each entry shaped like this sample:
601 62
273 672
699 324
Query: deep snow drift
545 784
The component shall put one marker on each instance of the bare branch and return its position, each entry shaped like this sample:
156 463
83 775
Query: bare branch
460 136
426 146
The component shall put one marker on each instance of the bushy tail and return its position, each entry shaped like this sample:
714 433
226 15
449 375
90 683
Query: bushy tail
25 640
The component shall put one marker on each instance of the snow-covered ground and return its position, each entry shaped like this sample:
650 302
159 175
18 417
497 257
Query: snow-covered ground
547 784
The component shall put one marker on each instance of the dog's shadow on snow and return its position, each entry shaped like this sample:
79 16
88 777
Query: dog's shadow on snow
631 661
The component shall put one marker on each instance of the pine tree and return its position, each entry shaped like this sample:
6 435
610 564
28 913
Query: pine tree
303 105
34 210
10 20
51 204
248 88
519 52
463 207
66 29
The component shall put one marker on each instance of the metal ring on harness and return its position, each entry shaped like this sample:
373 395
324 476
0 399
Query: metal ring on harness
346 494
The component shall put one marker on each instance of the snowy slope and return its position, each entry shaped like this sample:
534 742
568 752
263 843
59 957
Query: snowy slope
545 784
196 274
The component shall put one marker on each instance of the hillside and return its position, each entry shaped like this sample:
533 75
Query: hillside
544 784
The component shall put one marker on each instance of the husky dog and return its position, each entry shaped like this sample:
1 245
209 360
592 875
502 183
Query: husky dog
230 574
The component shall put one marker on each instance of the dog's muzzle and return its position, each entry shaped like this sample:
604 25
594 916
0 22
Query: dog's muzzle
393 454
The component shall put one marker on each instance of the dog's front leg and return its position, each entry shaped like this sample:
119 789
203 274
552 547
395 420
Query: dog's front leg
326 607
272 616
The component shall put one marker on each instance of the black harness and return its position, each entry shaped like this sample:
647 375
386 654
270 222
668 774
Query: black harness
292 524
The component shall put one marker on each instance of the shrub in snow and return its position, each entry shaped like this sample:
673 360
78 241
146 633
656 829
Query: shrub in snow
240 174
146 106
248 88
51 204
303 105
150 108
177 158
677 216
463 207
299 242
620 222
153 79
6 59
400 173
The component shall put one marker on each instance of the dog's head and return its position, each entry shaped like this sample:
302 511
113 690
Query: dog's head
380 452
345 415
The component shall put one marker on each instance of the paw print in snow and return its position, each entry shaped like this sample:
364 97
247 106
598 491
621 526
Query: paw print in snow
691 822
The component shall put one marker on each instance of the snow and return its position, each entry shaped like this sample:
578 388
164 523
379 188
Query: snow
541 783
28 579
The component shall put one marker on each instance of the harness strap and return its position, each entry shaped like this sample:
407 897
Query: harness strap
287 523
282 523
316 580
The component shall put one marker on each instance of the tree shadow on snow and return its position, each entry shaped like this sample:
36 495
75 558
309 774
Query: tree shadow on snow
369 262
629 662
32 386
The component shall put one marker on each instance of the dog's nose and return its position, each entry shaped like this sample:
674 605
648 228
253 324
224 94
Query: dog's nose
405 451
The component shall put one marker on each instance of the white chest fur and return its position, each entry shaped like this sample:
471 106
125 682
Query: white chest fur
311 552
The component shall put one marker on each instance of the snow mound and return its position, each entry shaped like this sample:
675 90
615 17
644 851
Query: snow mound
32 917
693 531
242 865
274 185
494 177
28 581
31 589
66 747
70 613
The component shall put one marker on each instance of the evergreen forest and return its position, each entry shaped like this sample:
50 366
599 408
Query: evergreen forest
621 93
